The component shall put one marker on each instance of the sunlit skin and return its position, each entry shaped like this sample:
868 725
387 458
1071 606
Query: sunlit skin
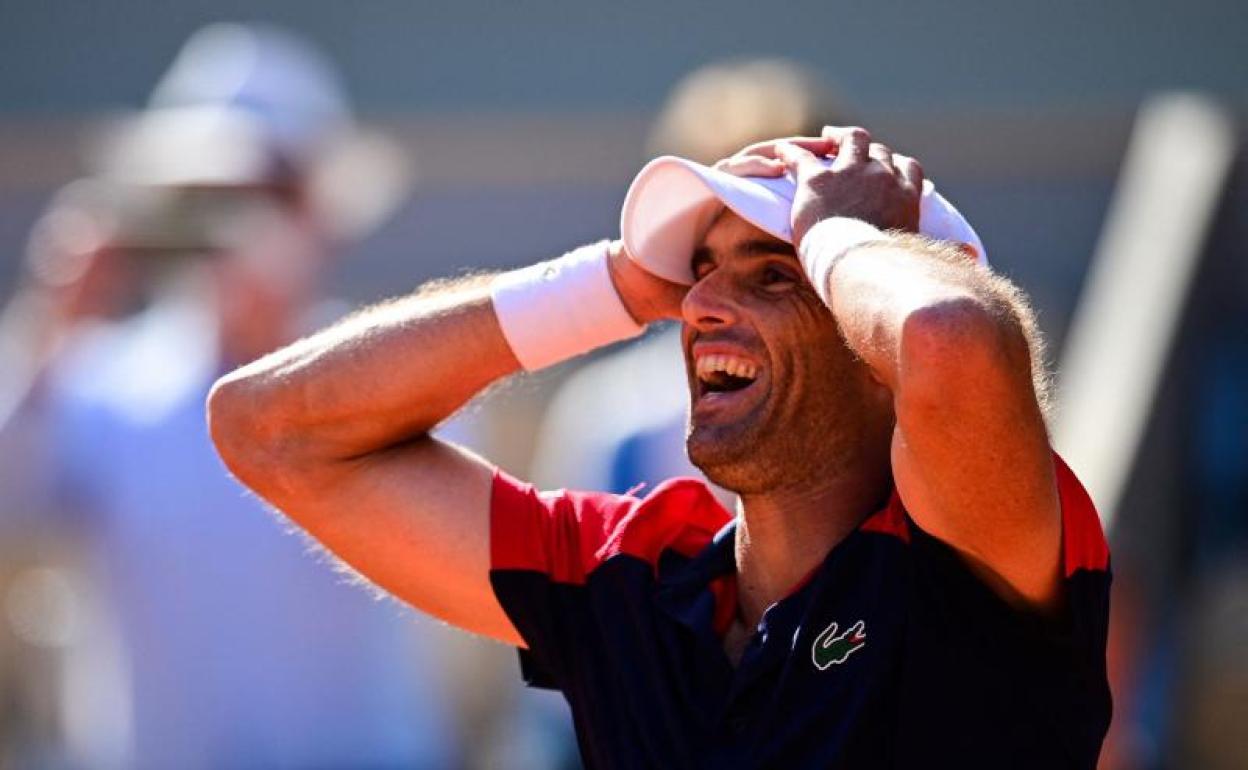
341 420
806 445
814 411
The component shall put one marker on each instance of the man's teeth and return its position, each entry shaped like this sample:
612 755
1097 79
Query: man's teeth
731 365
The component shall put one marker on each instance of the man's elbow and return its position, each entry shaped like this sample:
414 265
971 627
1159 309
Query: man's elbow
239 429
961 349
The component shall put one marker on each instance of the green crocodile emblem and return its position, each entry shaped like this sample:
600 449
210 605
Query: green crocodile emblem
830 648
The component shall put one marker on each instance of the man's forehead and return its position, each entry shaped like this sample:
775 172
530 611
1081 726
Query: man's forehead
729 233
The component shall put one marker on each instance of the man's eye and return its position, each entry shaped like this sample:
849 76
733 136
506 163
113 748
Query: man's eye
773 275
702 268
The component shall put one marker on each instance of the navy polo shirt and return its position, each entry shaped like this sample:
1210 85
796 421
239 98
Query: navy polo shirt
890 654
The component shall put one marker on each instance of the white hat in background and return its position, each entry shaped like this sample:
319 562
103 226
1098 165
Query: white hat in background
278 79
252 105
672 202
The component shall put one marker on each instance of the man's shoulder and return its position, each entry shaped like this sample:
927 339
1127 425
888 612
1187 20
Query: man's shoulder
585 529
681 513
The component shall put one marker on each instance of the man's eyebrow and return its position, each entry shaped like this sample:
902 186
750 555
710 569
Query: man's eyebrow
757 247
760 247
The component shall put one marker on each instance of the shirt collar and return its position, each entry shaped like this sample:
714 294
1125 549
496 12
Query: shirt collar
682 590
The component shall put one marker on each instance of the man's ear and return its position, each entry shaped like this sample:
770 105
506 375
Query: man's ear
970 251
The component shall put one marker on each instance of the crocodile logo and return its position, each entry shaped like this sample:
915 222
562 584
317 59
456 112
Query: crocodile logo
833 649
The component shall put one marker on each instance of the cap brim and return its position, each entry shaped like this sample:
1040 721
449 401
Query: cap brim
673 201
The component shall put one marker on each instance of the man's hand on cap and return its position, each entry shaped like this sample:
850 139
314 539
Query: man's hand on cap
647 297
759 159
866 181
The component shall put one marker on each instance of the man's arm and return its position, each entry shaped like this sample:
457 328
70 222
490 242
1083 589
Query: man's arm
957 348
334 431
970 452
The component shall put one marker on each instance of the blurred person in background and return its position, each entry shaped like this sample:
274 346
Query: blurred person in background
227 198
709 114
73 282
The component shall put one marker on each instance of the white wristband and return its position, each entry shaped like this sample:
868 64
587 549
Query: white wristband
555 310
825 243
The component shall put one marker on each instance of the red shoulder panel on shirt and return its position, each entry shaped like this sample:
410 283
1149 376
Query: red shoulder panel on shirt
1083 540
556 533
566 535
680 514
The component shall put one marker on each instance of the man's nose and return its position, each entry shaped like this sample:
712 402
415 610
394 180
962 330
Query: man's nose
709 303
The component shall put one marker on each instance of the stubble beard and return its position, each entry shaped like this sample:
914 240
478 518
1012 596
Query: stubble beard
767 451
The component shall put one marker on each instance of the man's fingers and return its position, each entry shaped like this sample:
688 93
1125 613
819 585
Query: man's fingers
816 144
835 134
855 146
882 154
751 165
910 171
797 158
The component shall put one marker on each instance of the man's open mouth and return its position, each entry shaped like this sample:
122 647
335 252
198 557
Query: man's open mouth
721 373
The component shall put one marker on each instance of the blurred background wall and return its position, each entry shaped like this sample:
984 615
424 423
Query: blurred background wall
534 115
524 122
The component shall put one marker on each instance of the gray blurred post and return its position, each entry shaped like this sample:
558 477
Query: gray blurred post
1175 172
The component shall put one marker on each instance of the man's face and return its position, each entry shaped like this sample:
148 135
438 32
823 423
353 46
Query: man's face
776 396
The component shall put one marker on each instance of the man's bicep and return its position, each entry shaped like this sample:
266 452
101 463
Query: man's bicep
415 520
973 467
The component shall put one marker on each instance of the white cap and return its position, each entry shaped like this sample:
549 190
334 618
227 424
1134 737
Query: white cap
672 202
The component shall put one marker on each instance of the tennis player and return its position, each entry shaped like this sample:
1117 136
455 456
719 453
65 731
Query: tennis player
912 577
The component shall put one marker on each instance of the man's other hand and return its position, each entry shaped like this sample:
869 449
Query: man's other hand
866 180
647 297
